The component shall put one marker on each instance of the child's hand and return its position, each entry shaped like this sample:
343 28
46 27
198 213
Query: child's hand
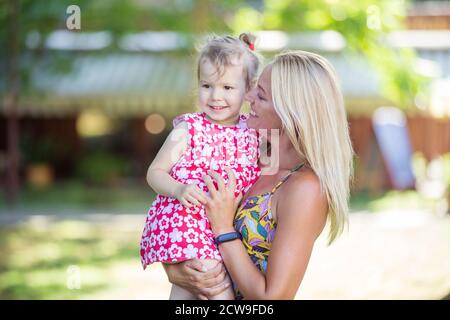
190 195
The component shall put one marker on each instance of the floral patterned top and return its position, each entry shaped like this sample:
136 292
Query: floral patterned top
254 221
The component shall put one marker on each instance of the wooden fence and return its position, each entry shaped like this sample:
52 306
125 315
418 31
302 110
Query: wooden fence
429 136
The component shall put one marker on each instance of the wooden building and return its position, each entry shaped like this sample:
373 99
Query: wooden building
152 77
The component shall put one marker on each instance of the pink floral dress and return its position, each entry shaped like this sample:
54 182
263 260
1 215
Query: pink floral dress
175 233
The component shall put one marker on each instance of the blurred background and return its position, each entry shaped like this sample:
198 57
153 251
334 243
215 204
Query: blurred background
88 91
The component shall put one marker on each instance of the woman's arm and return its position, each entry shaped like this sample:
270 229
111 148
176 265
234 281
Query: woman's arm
298 226
158 176
194 277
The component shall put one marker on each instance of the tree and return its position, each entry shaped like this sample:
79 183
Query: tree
21 18
363 23
11 98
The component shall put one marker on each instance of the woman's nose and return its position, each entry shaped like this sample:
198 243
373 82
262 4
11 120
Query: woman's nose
250 95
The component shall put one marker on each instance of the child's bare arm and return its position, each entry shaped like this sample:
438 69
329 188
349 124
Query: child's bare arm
158 176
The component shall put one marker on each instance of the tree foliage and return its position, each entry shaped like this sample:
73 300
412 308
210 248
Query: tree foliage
364 24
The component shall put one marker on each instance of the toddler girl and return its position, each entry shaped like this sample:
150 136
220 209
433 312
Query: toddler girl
215 138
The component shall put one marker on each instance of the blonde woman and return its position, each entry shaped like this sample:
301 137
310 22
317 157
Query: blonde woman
267 241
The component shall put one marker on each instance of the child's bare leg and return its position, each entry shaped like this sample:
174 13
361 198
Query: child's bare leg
179 293
228 294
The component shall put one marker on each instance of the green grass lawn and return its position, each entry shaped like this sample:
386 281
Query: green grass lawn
409 199
75 196
37 260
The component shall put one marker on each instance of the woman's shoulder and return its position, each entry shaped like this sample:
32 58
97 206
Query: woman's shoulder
305 180
302 186
303 202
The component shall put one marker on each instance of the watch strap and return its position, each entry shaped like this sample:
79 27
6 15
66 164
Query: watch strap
228 237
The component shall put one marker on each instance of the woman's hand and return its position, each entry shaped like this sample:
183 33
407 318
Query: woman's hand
221 205
194 277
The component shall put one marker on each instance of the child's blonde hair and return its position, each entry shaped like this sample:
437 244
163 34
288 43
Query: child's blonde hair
307 98
222 51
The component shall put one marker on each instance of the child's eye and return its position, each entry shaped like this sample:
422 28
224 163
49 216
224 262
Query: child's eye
228 87
261 98
205 86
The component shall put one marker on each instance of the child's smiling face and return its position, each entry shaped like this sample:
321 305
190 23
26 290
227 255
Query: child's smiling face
221 96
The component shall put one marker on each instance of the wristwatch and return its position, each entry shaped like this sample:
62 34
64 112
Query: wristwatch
228 237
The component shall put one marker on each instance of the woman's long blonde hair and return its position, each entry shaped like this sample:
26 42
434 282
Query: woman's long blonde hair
307 98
